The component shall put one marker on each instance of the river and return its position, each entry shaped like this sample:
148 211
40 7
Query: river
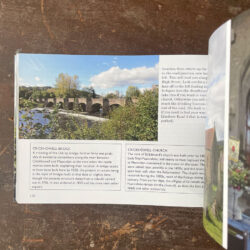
40 116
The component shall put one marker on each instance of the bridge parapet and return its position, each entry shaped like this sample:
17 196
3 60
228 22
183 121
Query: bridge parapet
97 100
71 99
82 100
51 100
59 99
120 101
71 103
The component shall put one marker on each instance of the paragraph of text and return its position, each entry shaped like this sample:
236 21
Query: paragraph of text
164 169
75 166
183 93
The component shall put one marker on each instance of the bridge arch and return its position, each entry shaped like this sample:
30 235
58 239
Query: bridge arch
60 105
96 107
119 101
70 105
114 106
82 107
49 104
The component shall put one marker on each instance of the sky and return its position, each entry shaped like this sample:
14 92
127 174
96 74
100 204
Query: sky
106 74
216 82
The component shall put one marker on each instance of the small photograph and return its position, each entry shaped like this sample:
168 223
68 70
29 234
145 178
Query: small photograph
88 97
213 207
214 141
239 136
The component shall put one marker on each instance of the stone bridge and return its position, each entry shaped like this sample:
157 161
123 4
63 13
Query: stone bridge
90 105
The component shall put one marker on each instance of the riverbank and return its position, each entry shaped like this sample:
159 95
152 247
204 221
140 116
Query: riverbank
68 113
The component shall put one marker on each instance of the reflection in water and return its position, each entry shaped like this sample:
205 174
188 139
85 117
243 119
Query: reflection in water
36 116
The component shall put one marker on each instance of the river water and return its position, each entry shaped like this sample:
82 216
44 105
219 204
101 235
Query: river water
39 116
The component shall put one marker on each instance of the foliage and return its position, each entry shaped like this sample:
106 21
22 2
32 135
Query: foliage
23 103
41 94
66 85
111 95
237 175
213 226
213 223
35 92
214 188
132 91
34 130
216 220
121 126
25 92
147 119
91 92
136 122
50 93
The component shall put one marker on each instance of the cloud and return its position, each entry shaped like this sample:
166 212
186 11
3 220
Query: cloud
25 84
40 85
117 77
85 87
21 82
37 78
144 89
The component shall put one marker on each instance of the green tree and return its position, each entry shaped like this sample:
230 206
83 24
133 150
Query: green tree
147 119
51 93
138 122
132 91
25 92
66 85
92 93
111 95
36 94
135 121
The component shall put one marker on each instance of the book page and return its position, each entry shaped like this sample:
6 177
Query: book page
239 135
110 129
182 102
215 198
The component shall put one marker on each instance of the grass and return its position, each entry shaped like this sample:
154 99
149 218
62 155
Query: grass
213 226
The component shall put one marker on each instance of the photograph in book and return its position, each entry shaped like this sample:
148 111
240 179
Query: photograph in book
88 97
239 136
214 141
141 167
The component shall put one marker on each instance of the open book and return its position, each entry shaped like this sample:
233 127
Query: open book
168 130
